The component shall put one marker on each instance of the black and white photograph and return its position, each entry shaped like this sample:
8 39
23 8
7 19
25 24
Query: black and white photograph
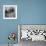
31 34
9 11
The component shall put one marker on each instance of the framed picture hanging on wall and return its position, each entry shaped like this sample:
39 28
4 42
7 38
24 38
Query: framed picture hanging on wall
9 11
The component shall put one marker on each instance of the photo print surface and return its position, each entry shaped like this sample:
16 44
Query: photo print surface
9 11
33 32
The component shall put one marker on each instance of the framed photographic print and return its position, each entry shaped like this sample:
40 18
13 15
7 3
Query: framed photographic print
31 32
9 11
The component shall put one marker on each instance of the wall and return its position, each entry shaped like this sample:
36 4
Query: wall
7 26
34 12
29 12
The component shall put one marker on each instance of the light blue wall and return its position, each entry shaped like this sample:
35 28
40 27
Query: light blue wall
29 12
7 26
33 12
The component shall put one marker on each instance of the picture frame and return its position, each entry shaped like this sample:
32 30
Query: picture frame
9 11
36 32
